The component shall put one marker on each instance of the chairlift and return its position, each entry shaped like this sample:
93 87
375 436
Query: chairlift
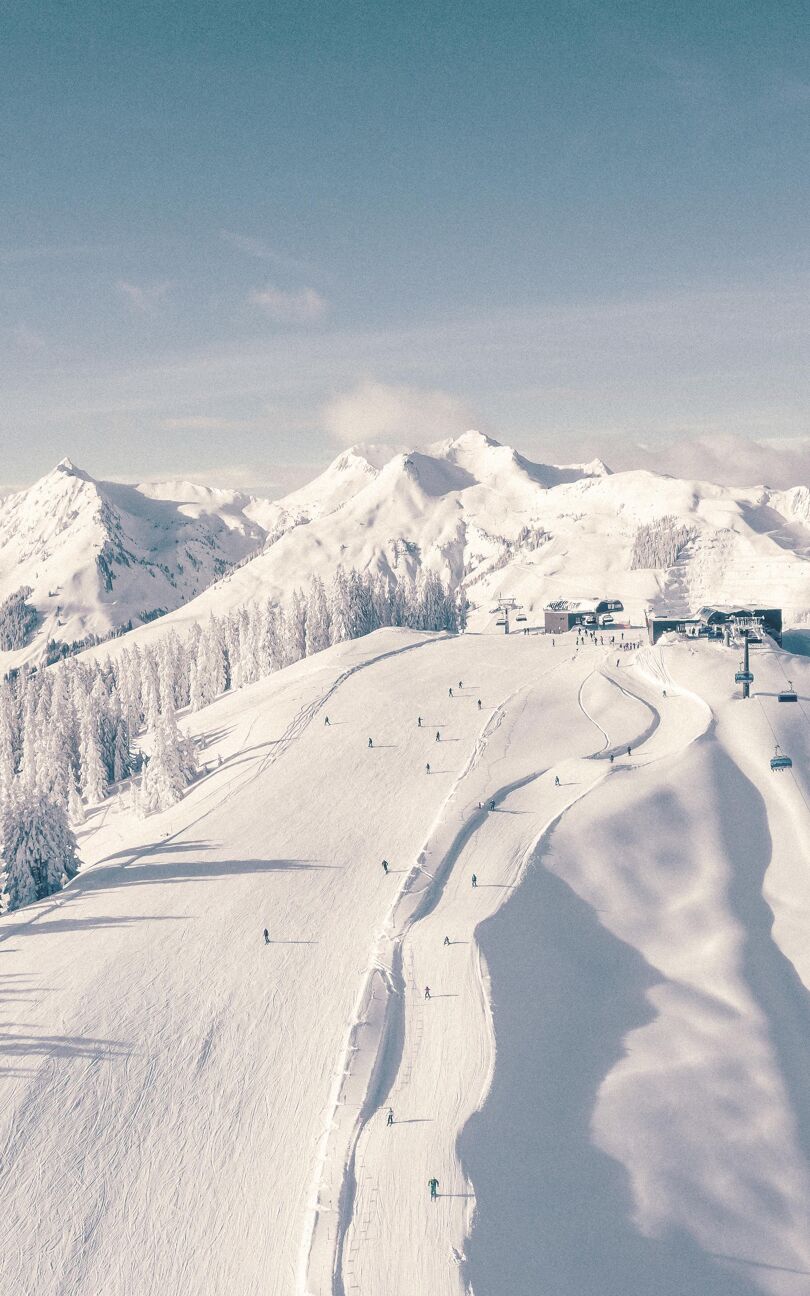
501 622
744 677
780 762
788 694
520 618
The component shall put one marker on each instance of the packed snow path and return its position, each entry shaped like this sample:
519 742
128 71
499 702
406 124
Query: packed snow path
187 1109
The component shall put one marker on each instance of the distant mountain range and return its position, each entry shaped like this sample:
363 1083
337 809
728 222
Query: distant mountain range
97 555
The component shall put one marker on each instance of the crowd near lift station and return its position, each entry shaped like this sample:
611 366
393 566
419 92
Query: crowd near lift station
591 613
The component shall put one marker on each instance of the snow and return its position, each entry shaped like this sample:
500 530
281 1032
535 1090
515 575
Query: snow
609 1079
482 515
477 512
100 554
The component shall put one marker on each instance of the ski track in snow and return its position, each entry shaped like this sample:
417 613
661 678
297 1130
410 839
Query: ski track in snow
368 1085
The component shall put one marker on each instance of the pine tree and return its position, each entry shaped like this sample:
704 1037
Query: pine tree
39 849
318 618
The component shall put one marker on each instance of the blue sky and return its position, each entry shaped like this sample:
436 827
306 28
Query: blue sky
229 233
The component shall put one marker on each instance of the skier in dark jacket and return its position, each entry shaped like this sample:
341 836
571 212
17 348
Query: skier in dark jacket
474 880
447 940
438 736
385 867
479 704
419 722
326 720
266 936
433 1185
370 743
427 992
427 768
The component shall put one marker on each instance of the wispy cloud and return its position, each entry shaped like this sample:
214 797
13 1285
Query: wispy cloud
262 251
305 306
401 415
143 297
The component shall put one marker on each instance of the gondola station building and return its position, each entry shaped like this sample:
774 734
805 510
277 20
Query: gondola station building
567 614
719 622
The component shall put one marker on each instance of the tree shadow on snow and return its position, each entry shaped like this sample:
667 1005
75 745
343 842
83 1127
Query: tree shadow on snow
554 1212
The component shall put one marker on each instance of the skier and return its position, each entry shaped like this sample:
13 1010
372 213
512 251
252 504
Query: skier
427 992
450 692
370 743
492 805
419 722
479 704
266 936
433 1185
556 780
385 867
390 1119
617 661
628 751
665 692
611 758
326 720
474 880
438 736
427 768
461 686
447 940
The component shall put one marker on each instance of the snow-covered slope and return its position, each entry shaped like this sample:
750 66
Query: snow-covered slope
98 554
185 1108
487 518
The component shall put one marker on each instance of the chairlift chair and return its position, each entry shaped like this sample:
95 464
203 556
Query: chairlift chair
501 622
788 694
743 677
780 762
520 618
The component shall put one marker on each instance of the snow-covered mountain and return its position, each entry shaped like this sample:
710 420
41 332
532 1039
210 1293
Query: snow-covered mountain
97 555
485 517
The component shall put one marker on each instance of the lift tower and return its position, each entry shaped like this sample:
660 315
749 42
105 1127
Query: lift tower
744 675
505 606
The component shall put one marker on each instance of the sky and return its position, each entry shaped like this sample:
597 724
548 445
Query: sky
237 237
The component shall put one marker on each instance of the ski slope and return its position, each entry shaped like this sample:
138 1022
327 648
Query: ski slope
610 1078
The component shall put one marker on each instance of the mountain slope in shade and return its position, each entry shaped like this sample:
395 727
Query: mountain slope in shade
97 555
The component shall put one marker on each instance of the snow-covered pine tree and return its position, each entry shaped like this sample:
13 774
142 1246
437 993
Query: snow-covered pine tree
75 805
7 756
39 849
318 618
296 646
92 780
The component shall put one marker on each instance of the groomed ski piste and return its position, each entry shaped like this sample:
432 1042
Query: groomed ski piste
610 1079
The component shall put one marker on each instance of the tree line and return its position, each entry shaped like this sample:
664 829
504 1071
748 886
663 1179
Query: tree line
69 734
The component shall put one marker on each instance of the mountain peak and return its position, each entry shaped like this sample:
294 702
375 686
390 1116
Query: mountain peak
475 439
67 468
